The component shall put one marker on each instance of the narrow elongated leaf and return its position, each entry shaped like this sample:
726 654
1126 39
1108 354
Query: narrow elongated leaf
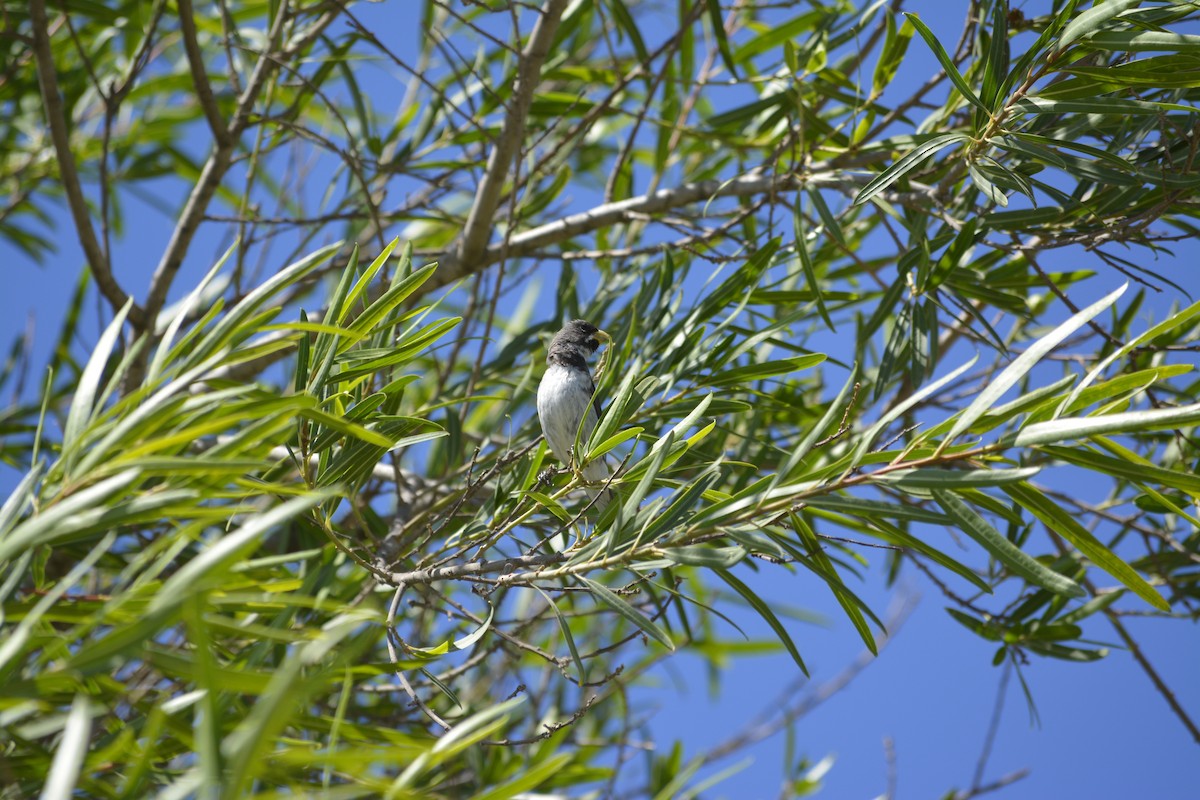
681 427
895 45
1144 41
1091 20
225 549
179 314
810 273
565 626
1014 558
1065 428
20 498
906 164
16 637
947 63
51 521
1025 362
824 567
360 286
83 403
526 779
654 459
72 747
870 509
336 423
680 506
810 439
1135 471
366 322
753 372
1168 325
614 441
764 610
616 411
897 536
1066 526
934 478
718 29
613 601
698 555
465 642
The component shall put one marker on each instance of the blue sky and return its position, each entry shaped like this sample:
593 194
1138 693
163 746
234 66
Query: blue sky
1104 731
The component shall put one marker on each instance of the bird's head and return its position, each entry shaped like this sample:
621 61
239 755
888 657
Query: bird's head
577 337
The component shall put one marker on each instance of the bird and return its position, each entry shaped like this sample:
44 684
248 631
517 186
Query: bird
567 396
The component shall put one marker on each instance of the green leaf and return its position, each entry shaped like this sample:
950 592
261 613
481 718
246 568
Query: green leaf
1167 326
1025 362
1092 20
364 280
823 566
610 599
764 610
226 549
1135 472
871 509
65 516
700 555
565 626
652 464
1135 41
947 63
936 478
1060 522
84 401
466 642
718 29
344 427
907 164
71 750
995 70
836 408
530 778
612 442
893 534
754 372
1014 558
367 321
895 45
810 274
1064 428
617 410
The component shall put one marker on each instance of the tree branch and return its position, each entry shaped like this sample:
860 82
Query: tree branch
452 268
213 172
204 92
473 568
473 243
56 120
219 160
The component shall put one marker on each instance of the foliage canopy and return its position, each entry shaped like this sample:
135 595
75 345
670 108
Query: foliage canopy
284 528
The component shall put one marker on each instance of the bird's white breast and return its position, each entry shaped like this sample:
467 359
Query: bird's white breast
564 397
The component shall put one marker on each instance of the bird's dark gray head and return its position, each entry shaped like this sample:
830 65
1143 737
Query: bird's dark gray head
574 343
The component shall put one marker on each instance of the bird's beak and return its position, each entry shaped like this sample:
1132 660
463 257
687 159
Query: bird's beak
604 337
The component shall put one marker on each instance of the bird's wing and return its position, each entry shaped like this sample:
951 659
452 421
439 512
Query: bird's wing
591 387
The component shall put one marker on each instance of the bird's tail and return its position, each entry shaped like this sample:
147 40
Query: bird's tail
598 472
601 498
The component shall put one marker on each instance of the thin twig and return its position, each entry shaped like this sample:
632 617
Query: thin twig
473 243
60 136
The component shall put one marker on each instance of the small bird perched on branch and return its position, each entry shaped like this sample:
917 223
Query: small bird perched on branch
566 396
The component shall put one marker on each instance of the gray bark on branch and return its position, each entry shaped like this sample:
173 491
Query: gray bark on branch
61 138
473 243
